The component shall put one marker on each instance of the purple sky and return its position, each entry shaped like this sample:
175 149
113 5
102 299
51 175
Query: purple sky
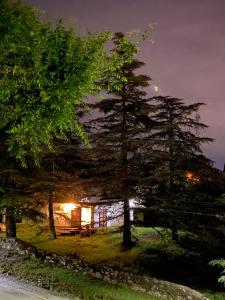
187 59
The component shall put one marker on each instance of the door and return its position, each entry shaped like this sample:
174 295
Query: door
76 217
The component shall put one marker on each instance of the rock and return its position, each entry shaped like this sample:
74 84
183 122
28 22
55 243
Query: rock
97 275
163 289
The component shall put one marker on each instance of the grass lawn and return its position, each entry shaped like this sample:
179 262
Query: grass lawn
215 296
102 247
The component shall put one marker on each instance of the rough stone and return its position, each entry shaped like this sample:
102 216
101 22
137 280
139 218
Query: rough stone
165 290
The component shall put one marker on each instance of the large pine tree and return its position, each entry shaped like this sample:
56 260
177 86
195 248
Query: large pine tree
119 134
177 144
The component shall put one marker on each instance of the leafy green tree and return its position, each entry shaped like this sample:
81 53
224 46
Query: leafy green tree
45 74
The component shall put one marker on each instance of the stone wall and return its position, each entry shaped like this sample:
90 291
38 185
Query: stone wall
164 289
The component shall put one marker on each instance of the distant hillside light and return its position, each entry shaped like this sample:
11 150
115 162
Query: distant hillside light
192 178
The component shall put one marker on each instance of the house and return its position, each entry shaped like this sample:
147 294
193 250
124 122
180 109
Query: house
70 211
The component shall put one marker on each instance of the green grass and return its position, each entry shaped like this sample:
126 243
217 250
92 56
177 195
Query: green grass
61 279
103 247
215 296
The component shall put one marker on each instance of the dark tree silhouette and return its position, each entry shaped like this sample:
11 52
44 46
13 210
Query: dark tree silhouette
176 143
119 134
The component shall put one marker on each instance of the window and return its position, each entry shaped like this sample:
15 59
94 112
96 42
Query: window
102 217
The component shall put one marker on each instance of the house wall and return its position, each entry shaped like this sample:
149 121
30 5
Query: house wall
114 214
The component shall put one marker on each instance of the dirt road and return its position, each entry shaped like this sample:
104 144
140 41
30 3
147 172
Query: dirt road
12 289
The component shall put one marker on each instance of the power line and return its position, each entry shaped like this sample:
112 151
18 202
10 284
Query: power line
194 213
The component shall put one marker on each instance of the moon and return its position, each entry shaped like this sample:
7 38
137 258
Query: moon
156 88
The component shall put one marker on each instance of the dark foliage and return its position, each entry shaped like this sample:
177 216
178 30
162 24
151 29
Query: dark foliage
118 134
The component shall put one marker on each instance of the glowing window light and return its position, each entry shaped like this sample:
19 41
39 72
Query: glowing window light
189 175
67 207
85 216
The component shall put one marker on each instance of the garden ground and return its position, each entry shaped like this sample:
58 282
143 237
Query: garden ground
154 254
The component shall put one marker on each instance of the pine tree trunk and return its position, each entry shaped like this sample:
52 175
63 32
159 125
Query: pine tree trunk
51 217
174 233
127 241
10 222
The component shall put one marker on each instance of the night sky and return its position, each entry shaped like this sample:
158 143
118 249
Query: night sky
187 58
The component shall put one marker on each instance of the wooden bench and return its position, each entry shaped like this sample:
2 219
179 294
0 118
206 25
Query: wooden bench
70 231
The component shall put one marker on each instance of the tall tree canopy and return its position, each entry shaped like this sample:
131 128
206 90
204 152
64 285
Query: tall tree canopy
175 153
44 74
119 134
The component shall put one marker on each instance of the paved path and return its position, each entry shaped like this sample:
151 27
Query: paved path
13 289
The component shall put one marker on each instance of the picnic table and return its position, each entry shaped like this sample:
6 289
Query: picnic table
70 231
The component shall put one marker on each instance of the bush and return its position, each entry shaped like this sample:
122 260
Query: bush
221 264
